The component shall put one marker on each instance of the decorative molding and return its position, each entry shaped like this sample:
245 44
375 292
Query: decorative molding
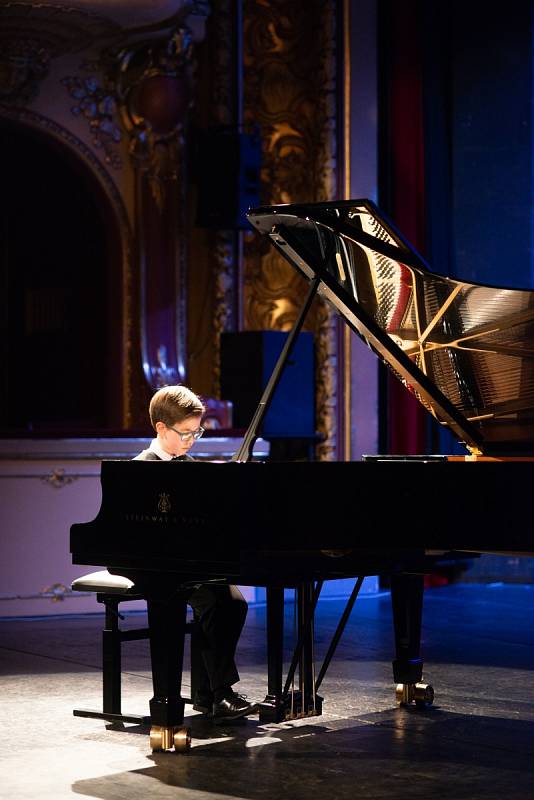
57 592
58 479
329 369
326 380
225 286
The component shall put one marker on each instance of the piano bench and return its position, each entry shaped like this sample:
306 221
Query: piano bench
111 591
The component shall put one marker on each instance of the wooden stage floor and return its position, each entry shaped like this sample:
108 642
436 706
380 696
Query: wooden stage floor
477 740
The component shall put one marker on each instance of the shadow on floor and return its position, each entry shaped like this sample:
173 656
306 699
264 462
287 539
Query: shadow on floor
390 754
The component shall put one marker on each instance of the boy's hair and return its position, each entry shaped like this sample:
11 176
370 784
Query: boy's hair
173 404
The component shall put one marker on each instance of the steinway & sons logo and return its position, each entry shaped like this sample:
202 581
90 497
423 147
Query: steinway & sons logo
164 503
162 514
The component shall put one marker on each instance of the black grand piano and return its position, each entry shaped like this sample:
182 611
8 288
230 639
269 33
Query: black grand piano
465 350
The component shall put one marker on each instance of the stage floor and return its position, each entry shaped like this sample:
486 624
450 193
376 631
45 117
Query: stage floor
476 742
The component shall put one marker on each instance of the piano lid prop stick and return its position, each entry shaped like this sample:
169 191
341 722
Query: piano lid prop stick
339 630
245 451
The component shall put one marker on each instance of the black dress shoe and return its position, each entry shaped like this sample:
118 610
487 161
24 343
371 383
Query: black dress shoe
233 706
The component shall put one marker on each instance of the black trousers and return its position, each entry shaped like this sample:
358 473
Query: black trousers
221 612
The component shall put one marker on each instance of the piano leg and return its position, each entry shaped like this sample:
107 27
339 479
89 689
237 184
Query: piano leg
407 604
167 621
309 703
271 710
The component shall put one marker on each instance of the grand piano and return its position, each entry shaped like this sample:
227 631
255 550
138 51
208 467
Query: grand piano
464 350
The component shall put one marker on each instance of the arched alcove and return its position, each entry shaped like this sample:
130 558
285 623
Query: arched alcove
60 304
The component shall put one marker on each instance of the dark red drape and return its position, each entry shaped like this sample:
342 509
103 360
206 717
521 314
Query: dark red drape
407 419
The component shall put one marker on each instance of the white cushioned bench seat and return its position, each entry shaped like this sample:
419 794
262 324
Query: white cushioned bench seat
103 582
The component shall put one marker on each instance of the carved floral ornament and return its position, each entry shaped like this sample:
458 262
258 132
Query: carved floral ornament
100 109
146 86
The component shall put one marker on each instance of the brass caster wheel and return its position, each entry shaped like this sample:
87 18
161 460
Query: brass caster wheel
162 738
182 739
402 694
156 739
422 694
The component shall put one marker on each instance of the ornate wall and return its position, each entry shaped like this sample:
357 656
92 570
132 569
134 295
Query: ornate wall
290 92
129 93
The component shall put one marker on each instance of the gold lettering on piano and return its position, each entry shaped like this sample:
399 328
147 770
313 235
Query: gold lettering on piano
164 519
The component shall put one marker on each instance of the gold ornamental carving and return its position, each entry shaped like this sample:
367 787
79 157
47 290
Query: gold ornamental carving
153 90
290 93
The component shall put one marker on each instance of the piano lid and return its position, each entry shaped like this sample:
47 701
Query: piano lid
465 350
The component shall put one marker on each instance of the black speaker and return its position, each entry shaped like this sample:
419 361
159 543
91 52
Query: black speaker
247 361
228 164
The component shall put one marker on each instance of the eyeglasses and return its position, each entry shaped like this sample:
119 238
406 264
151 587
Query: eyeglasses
185 436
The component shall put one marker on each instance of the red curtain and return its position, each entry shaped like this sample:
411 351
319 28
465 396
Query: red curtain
407 419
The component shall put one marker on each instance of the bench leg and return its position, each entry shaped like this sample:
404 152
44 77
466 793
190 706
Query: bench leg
111 671
111 659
